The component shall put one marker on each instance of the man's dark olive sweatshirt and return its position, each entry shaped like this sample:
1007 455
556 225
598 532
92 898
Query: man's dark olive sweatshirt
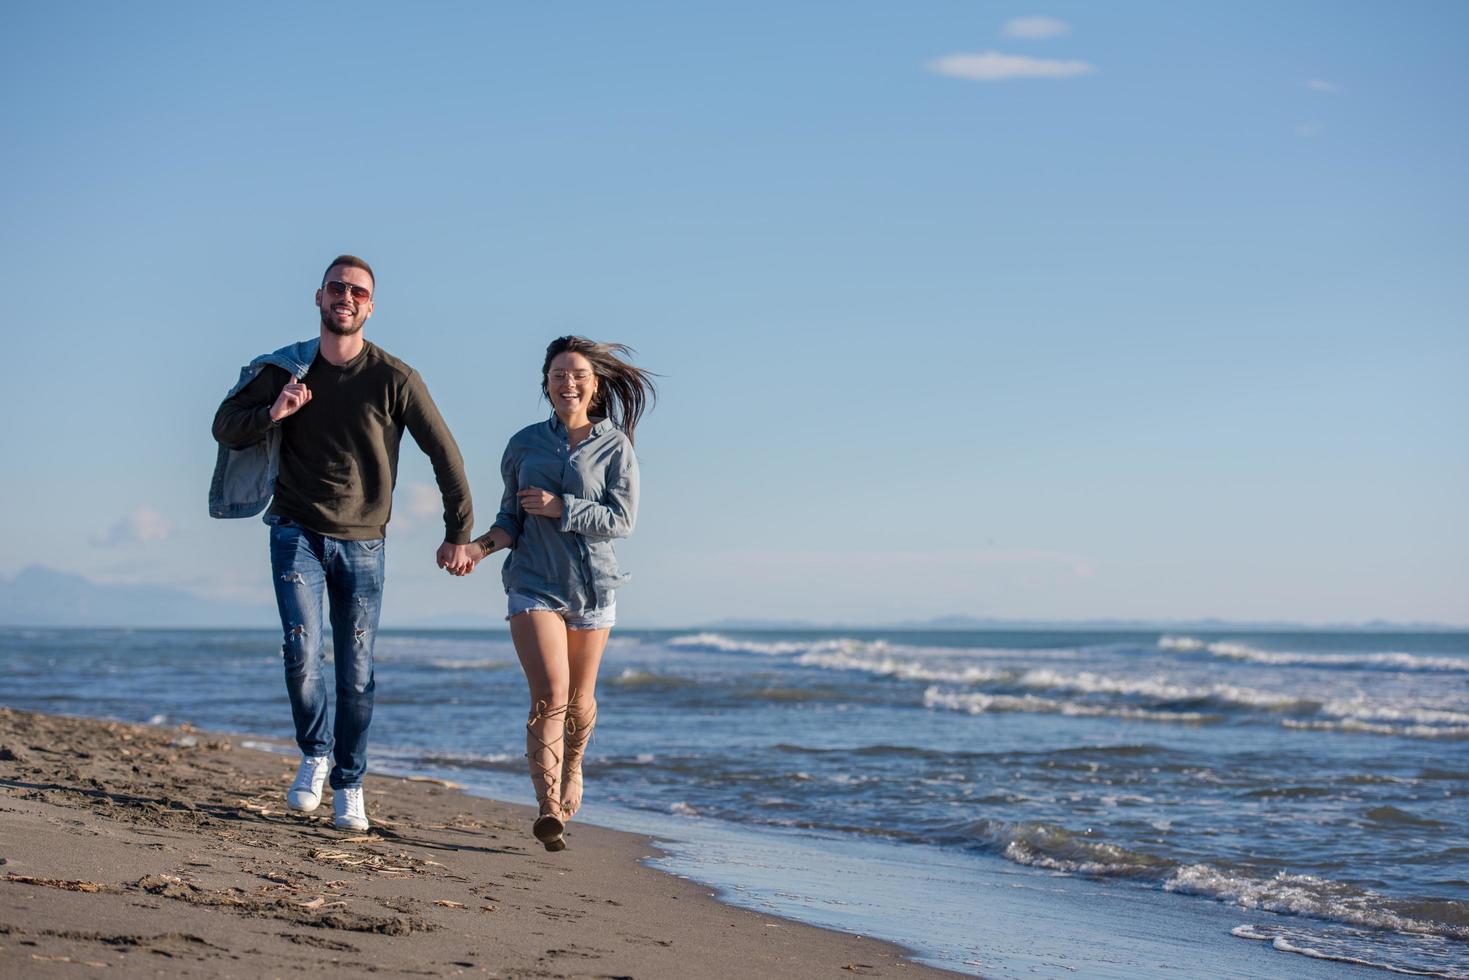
339 452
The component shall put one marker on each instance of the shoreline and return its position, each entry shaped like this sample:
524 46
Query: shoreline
163 851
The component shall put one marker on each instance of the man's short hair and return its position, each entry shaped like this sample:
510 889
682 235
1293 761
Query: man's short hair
352 262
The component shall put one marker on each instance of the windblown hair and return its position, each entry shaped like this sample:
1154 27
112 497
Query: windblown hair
624 392
351 262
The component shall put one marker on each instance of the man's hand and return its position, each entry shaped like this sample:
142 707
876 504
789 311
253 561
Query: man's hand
455 558
539 503
289 401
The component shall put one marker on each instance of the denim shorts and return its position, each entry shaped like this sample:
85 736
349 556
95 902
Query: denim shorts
602 617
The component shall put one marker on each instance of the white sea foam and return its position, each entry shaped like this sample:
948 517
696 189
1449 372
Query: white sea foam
876 662
1158 688
1307 895
775 648
1289 945
1022 853
1365 710
1248 654
483 663
1354 725
862 653
976 703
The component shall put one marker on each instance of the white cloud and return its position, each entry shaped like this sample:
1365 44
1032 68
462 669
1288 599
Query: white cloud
424 500
993 66
143 526
416 506
1036 28
1321 85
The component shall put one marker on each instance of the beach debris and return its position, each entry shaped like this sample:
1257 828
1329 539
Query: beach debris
90 887
432 781
67 959
450 905
400 863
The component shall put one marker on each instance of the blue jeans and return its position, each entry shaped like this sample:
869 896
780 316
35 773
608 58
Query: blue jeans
305 566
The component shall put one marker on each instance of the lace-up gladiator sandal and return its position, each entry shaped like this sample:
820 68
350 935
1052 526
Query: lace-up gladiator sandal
545 776
581 719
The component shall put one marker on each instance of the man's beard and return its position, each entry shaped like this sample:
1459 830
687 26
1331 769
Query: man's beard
330 322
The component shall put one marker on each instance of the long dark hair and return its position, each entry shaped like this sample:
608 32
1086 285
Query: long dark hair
624 392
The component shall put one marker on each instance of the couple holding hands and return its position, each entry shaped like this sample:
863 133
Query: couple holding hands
312 430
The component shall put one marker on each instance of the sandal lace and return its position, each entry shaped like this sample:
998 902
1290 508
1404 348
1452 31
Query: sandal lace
581 721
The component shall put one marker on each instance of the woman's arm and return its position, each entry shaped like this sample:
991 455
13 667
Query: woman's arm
615 514
495 539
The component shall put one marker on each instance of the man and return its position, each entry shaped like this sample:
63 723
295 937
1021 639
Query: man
317 424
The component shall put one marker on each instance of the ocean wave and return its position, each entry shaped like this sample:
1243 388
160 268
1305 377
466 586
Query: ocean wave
1358 727
484 663
1364 710
1392 660
1160 689
1321 898
775 648
849 653
1054 848
1321 947
976 703
492 761
632 678
873 662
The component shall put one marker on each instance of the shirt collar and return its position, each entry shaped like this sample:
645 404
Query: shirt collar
598 427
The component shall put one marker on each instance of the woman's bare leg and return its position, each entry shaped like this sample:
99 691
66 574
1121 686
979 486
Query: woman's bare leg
541 644
584 656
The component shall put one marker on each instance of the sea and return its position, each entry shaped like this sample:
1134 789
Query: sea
1302 793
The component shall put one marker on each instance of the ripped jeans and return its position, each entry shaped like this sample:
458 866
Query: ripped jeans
305 565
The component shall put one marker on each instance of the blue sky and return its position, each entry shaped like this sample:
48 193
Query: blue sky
1067 310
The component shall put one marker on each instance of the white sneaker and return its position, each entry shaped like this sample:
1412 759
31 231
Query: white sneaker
351 814
305 792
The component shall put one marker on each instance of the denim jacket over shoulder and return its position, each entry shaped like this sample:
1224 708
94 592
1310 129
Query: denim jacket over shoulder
244 479
569 558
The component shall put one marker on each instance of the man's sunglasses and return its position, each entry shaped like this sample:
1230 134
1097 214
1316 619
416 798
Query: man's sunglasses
336 289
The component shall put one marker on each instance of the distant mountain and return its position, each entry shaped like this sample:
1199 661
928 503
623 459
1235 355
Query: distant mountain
42 596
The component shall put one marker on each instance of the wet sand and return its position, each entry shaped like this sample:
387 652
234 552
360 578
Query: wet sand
128 850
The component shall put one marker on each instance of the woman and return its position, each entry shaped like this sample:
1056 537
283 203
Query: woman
571 487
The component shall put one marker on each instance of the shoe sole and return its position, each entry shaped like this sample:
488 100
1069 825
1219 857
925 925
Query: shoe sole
302 809
360 828
549 830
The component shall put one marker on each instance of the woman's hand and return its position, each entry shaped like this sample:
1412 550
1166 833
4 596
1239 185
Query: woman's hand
539 503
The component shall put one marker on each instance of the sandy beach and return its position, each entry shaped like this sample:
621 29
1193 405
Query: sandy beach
129 850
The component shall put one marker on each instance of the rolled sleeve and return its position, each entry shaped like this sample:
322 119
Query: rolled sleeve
509 517
615 514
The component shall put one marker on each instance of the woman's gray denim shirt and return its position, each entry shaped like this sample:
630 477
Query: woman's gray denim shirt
570 558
